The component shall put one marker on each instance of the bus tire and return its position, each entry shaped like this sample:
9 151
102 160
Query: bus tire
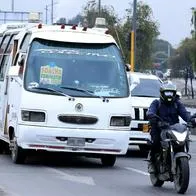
108 160
17 153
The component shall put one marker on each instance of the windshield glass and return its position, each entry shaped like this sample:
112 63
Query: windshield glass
67 67
147 88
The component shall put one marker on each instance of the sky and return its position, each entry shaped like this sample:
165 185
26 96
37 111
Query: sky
173 16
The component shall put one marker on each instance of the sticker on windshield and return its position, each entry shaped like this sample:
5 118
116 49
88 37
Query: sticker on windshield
106 91
51 74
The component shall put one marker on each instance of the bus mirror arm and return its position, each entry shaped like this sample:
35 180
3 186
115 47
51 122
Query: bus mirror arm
21 62
6 87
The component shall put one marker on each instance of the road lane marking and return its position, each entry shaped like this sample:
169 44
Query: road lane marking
79 179
137 171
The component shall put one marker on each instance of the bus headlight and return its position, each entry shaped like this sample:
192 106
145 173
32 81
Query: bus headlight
33 116
120 121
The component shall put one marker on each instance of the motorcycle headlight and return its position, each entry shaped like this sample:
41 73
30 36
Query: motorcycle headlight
181 137
120 121
33 116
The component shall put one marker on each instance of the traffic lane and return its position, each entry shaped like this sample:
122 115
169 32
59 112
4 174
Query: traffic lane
81 177
54 175
139 166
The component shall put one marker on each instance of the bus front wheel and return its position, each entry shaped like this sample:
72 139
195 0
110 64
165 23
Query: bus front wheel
108 160
17 153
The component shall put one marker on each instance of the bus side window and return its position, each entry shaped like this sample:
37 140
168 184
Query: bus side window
5 54
4 44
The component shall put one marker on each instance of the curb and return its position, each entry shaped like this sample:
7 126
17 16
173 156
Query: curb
189 102
193 138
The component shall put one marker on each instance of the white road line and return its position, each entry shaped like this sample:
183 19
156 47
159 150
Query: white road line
79 179
137 171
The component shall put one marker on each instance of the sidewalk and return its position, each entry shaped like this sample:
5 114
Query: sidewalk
189 102
180 83
193 138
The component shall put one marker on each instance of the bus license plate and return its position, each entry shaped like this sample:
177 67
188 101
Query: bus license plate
73 141
145 128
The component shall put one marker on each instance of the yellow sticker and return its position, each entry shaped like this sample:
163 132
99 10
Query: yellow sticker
51 75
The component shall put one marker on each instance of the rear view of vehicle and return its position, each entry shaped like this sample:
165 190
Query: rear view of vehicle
144 89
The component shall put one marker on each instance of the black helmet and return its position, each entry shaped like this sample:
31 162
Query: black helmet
168 91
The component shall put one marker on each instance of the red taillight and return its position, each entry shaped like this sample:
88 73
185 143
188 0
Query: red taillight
39 26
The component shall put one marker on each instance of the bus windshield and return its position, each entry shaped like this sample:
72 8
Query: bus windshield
96 68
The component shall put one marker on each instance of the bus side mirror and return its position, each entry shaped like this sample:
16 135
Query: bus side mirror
21 61
127 67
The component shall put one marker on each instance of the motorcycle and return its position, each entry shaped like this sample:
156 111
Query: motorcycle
172 163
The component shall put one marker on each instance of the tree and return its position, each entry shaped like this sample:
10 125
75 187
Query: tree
114 25
149 27
76 20
61 21
120 29
161 52
184 57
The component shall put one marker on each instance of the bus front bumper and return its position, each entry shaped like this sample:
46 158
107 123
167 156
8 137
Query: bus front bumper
73 140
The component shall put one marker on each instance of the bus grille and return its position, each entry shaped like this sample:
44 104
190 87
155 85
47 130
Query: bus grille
77 119
140 114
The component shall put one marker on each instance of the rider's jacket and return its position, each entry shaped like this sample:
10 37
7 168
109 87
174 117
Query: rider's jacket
168 112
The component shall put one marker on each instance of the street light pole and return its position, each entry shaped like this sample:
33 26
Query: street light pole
52 6
46 14
99 5
133 37
12 5
194 29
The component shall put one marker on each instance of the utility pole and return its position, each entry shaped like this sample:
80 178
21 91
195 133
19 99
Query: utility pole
52 6
133 36
46 14
194 24
193 20
99 6
12 5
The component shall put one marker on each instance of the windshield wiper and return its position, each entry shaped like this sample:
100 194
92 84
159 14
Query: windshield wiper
53 90
78 89
143 96
89 92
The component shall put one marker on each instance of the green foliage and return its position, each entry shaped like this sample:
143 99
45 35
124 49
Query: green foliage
61 21
161 52
185 56
121 28
76 20
149 27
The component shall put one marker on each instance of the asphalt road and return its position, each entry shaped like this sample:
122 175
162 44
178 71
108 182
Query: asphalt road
48 174
62 175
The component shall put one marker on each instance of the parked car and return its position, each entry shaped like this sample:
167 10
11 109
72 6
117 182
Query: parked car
144 89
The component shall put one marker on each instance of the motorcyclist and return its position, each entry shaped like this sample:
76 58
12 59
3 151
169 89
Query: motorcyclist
168 108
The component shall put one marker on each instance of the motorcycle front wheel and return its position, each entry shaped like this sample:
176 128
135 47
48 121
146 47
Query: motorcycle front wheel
181 179
155 181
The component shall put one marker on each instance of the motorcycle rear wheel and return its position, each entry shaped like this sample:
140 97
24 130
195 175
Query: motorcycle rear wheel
181 179
155 181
